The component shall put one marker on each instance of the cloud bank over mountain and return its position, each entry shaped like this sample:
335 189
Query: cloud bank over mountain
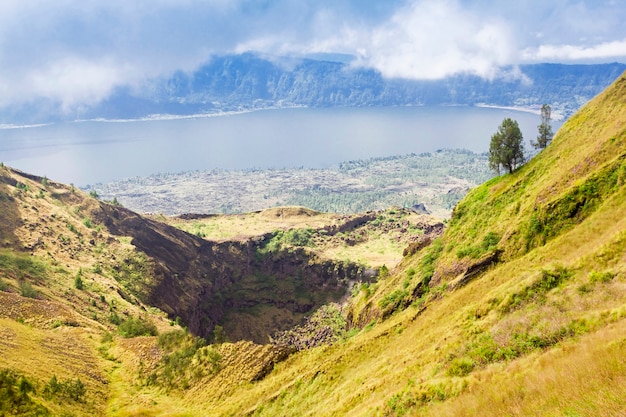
76 53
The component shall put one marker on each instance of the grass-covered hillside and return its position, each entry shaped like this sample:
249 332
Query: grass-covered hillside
518 309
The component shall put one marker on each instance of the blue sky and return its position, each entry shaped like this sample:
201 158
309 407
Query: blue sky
76 52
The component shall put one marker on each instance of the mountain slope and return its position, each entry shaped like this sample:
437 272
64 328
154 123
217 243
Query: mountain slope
507 318
249 81
518 309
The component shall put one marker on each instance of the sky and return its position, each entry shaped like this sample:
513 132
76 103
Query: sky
76 52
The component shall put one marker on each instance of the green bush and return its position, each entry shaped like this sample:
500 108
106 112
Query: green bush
427 264
461 367
72 389
601 276
383 272
78 280
133 327
548 280
27 290
22 265
180 348
219 335
489 243
15 398
392 302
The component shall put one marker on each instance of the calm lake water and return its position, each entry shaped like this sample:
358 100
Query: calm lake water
97 151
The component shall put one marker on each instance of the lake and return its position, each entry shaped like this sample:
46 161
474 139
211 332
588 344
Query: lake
91 152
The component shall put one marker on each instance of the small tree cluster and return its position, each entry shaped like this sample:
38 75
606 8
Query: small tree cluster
73 389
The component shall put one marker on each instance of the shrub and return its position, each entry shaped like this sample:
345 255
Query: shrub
94 194
427 264
601 277
22 265
548 280
133 327
14 398
115 319
27 290
180 350
391 302
383 271
461 367
219 335
87 222
78 281
73 389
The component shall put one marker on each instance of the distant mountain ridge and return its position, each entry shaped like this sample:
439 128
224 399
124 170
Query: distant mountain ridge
248 81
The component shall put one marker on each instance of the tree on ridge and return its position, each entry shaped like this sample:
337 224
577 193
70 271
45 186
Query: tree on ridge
506 149
545 128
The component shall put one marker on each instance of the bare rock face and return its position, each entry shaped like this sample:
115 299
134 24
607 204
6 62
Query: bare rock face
250 294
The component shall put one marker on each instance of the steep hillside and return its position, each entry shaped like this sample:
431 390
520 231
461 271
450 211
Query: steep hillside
517 309
93 282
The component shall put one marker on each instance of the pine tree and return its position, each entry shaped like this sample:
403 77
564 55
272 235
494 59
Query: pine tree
545 128
506 149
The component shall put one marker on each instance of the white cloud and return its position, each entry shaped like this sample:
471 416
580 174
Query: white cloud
75 81
433 39
76 51
605 50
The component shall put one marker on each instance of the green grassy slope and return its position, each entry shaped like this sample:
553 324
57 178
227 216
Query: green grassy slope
518 309
524 314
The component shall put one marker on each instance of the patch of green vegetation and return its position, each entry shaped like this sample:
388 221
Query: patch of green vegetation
69 389
133 327
186 358
15 399
461 366
548 280
419 395
21 265
326 325
27 290
394 301
427 264
489 244
133 273
484 349
603 277
78 280
22 187
576 205
289 238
